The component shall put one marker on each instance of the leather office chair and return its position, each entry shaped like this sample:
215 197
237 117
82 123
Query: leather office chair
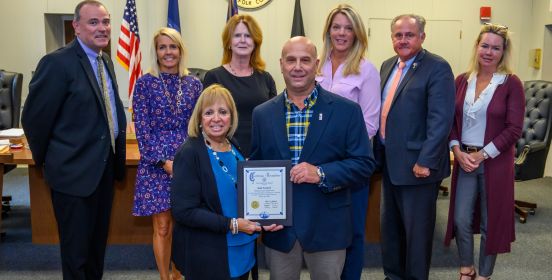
532 148
10 111
198 72
10 99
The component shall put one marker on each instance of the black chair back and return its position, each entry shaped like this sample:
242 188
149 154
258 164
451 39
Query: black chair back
532 148
10 99
198 73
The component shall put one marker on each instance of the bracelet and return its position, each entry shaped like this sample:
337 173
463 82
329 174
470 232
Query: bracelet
234 226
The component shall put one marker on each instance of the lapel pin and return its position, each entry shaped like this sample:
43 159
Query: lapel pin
414 65
320 116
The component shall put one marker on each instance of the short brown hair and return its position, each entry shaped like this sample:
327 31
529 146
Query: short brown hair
76 16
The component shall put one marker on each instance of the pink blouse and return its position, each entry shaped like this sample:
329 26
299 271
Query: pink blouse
363 88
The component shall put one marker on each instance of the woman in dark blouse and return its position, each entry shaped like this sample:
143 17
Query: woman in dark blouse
243 72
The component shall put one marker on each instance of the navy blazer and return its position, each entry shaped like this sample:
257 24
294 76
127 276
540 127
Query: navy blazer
66 125
337 141
419 120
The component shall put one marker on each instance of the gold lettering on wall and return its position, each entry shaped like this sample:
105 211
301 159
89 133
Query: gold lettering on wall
252 4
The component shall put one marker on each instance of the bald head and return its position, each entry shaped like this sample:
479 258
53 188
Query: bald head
299 40
298 64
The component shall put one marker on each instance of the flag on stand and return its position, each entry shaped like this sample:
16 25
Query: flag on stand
128 48
297 28
232 9
173 16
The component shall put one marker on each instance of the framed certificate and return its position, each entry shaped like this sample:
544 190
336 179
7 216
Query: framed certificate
264 191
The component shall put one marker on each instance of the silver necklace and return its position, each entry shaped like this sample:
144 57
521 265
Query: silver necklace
219 160
179 94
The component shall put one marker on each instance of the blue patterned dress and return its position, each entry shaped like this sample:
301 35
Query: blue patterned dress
161 116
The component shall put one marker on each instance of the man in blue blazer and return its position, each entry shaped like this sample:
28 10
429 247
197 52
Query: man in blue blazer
78 139
411 147
325 138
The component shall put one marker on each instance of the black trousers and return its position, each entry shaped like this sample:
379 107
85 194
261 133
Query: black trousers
83 224
407 226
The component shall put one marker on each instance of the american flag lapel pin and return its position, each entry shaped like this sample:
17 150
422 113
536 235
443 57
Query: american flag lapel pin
320 116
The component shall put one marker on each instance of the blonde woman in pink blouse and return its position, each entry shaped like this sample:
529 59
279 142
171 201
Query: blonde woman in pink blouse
345 72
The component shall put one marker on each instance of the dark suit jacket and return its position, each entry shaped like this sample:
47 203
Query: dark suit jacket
337 141
419 120
200 249
65 122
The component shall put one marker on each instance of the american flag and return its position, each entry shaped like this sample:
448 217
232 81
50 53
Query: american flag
128 49
232 9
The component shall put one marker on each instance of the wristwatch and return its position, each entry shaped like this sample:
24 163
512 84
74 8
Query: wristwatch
320 174
485 155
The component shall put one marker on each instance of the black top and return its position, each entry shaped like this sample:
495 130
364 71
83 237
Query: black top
247 92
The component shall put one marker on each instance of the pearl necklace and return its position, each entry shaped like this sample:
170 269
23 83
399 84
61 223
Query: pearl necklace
220 162
235 72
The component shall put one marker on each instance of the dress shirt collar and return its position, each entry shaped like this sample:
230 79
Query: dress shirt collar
91 54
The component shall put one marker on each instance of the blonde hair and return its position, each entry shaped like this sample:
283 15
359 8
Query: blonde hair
504 63
255 60
177 39
359 47
208 97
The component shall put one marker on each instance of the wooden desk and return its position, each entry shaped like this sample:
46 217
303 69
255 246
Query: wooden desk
124 228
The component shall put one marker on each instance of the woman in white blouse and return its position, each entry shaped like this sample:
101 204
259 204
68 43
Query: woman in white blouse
489 113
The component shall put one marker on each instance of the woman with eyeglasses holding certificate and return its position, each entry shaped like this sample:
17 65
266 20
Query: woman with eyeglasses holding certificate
490 105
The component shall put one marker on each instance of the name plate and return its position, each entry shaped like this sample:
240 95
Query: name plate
264 191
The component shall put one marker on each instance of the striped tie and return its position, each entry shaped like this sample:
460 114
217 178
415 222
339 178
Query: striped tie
107 101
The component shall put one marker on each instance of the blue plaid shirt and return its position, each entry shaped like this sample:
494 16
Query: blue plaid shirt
297 123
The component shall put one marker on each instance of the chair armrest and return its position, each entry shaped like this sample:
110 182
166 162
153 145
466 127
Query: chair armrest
537 146
527 149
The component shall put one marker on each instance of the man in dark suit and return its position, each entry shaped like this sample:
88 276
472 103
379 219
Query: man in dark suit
411 146
332 157
75 124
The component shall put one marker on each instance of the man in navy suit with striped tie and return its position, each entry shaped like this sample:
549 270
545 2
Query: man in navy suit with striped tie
75 123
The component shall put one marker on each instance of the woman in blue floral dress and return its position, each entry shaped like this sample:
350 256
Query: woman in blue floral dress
163 101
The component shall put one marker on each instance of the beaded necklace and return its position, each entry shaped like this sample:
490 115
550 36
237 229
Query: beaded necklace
178 98
220 162
236 72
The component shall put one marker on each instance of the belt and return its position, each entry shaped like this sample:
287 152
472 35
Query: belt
471 149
